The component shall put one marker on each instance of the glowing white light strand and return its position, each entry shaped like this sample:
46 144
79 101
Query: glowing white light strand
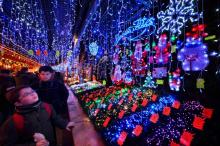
178 13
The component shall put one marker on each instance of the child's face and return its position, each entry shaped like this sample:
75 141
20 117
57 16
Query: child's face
27 96
45 76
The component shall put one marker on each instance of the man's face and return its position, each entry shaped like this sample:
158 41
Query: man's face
45 76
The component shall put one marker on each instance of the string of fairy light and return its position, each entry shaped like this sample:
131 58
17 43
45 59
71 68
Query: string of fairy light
26 28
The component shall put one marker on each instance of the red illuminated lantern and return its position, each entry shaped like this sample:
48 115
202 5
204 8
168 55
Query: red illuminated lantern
166 111
198 123
107 120
176 104
144 102
130 97
174 144
122 138
134 107
207 113
186 138
154 97
154 118
137 130
121 114
110 106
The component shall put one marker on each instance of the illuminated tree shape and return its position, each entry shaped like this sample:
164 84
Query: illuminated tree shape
162 54
93 48
149 82
175 80
178 13
193 55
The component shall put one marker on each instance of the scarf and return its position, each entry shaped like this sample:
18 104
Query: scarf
28 108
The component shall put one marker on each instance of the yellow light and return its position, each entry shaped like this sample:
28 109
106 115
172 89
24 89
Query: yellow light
75 39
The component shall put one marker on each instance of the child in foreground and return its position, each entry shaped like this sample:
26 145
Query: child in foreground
33 121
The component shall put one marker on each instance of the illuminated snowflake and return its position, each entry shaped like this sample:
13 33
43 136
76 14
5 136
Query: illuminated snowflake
178 13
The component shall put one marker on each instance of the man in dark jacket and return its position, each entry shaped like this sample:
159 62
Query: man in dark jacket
32 123
52 91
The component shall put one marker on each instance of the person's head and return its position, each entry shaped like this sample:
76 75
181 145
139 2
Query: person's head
23 95
45 73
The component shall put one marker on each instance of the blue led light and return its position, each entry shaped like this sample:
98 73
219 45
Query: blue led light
141 28
128 123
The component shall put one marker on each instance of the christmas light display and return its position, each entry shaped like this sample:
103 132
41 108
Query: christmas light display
175 80
149 82
162 52
172 128
128 124
25 28
193 55
177 14
62 36
122 114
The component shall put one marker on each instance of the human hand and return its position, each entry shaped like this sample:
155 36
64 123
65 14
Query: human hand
70 125
42 142
38 137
